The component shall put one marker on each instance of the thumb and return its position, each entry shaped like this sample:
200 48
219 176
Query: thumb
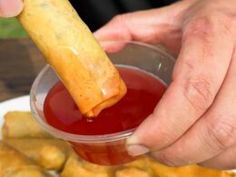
10 8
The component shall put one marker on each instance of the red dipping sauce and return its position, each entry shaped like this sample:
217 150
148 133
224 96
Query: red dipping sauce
144 90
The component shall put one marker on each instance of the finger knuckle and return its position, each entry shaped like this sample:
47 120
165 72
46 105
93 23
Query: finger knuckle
198 93
221 134
200 27
119 18
203 27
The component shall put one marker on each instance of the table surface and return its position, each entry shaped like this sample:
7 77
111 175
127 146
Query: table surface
20 62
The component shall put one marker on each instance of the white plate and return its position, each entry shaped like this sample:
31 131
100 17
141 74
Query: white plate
16 104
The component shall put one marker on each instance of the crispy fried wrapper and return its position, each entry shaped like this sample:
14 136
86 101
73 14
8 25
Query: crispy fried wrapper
189 171
22 125
29 171
71 49
14 164
146 166
51 154
74 167
132 172
143 167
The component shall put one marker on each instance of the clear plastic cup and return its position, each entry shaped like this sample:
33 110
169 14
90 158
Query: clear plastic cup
107 149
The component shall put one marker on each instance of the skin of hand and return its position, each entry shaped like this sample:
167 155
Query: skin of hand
195 121
10 8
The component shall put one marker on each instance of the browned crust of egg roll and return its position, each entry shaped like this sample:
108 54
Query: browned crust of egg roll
75 166
20 124
191 170
50 154
73 52
15 164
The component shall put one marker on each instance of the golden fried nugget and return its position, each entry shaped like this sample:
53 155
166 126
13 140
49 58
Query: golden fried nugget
22 125
71 49
51 154
15 164
75 167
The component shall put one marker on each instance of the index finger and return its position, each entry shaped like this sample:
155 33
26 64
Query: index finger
198 75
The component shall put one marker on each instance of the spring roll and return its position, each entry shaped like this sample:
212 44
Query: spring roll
14 164
192 171
132 172
75 167
22 125
51 154
97 168
71 49
142 163
29 171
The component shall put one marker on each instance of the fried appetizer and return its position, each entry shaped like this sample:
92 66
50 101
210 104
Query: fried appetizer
29 171
132 172
142 163
71 49
50 154
14 164
22 125
97 168
75 167
188 171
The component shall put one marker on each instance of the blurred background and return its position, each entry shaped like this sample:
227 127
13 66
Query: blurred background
95 13
10 28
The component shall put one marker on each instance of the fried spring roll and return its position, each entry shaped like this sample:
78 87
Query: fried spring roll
14 164
156 169
22 125
190 170
74 168
142 163
51 154
71 49
29 171
132 172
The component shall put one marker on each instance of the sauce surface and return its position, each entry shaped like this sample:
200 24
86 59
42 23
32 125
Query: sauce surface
144 92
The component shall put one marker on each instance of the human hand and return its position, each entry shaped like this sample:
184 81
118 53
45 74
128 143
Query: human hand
10 8
195 121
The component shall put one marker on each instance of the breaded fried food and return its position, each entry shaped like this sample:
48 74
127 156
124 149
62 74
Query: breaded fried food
50 154
15 164
22 125
71 49
74 167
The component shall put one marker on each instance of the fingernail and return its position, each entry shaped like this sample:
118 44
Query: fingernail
10 8
137 150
